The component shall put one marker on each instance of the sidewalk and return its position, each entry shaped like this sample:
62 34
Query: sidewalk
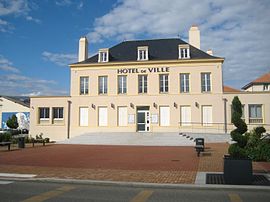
151 164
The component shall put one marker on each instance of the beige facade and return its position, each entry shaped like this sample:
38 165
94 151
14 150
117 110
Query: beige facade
96 105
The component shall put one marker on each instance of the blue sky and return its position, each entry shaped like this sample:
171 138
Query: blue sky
38 39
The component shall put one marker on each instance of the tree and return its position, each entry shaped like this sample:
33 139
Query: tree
12 122
237 150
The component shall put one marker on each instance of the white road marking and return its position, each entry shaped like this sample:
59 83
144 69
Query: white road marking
5 182
16 175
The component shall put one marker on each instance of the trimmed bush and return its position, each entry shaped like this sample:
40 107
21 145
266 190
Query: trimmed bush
5 137
12 122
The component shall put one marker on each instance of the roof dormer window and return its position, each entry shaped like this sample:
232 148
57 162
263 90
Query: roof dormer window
103 55
142 53
184 52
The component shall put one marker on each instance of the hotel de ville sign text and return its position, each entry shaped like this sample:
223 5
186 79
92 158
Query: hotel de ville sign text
143 70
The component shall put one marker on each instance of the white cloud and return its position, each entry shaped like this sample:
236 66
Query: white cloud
30 18
237 30
6 65
63 2
60 58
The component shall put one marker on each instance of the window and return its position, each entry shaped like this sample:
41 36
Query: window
184 52
163 83
184 83
205 82
103 55
164 113
207 115
142 53
142 83
266 87
102 85
58 113
44 113
84 85
102 116
255 113
185 115
122 84
83 116
122 116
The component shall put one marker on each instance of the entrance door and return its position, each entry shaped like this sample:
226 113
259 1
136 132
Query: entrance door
143 120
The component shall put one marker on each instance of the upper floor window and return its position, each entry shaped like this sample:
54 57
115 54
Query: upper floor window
103 55
58 112
44 113
163 83
142 53
184 83
122 84
142 83
206 82
102 84
183 51
84 85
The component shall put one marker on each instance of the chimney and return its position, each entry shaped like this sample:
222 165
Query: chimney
83 49
194 36
209 52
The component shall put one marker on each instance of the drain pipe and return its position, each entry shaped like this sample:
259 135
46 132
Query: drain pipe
68 123
225 115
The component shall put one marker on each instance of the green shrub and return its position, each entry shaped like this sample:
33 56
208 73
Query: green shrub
5 137
237 150
259 131
12 122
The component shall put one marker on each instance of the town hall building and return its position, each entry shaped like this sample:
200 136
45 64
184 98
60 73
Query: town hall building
159 85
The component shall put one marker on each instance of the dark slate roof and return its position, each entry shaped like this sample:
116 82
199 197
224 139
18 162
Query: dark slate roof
22 100
159 49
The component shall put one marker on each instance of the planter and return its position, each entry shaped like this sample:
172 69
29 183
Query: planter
237 171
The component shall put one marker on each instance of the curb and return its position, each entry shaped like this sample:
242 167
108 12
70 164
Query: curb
143 185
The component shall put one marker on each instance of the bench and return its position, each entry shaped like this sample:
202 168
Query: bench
199 147
6 144
43 141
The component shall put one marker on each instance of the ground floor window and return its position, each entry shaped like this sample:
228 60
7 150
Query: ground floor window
185 115
44 113
102 116
58 113
255 113
83 116
207 115
164 116
122 116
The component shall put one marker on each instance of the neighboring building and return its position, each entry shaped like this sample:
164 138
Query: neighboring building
18 106
260 84
162 85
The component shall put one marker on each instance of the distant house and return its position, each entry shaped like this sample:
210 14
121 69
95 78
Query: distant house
18 106
260 84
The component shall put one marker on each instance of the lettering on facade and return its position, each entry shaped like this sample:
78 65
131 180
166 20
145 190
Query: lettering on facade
143 70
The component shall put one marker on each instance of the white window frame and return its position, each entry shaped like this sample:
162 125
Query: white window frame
122 116
255 120
44 118
163 83
183 51
83 120
84 89
103 55
122 84
103 89
102 118
186 87
266 87
142 53
144 82
164 121
58 113
204 82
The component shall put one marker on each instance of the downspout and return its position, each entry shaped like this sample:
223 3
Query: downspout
225 115
68 123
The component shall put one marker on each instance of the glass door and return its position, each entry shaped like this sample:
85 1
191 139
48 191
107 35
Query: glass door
143 120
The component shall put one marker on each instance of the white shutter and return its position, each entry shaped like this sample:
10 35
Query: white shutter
122 116
164 116
83 116
185 115
102 116
207 115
